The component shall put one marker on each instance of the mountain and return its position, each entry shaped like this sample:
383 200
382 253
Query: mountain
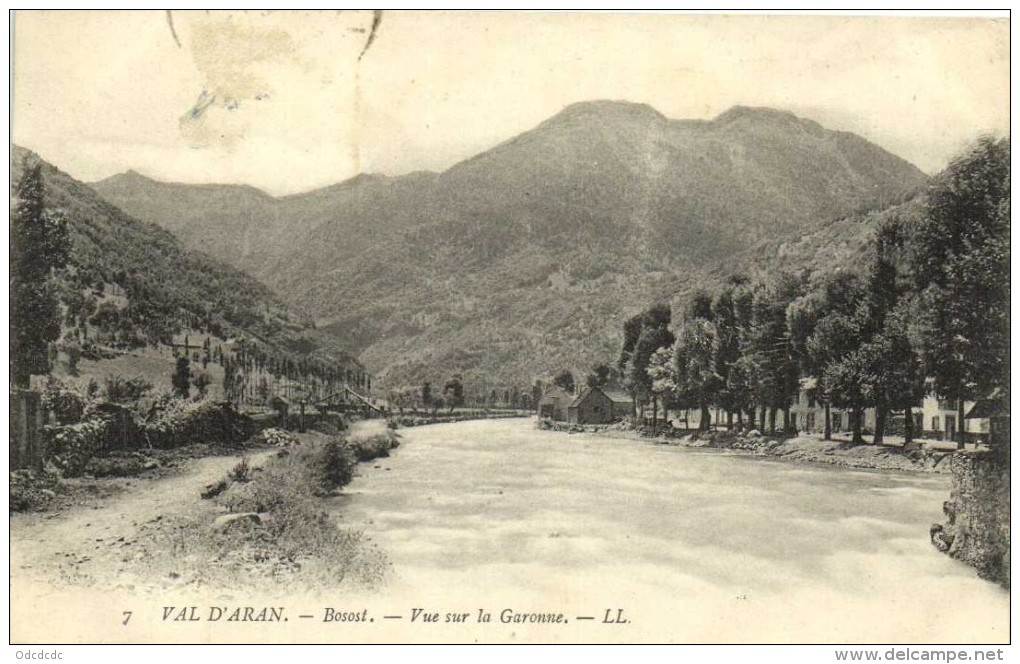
247 227
524 259
149 288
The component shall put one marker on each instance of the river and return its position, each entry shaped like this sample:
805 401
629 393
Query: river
693 545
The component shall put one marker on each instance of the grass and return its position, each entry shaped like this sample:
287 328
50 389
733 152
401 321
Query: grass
372 445
286 541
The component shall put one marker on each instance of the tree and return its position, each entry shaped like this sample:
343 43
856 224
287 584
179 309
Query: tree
833 333
181 379
426 395
73 350
565 380
201 383
454 392
700 306
398 399
599 375
767 346
643 335
961 268
694 358
727 329
666 381
893 378
536 393
40 245
835 340
744 372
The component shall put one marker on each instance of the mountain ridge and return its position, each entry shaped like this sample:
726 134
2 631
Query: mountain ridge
163 289
556 232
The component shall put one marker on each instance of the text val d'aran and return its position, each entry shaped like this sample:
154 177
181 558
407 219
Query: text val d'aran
415 615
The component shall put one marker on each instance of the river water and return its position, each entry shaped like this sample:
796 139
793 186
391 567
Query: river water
693 545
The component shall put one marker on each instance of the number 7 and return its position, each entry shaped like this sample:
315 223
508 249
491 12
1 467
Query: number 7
127 617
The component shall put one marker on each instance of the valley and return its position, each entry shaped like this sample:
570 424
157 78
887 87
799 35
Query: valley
523 259
518 327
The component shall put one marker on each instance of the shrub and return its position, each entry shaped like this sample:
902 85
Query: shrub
313 469
373 446
31 490
70 447
65 402
125 390
73 351
241 472
181 422
330 466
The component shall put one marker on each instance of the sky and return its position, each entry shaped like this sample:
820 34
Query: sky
293 100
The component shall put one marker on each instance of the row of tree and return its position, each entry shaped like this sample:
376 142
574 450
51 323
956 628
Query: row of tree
454 394
928 313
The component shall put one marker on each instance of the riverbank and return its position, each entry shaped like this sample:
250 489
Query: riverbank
415 420
801 449
252 519
977 526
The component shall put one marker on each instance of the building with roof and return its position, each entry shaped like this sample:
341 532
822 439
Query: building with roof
599 406
994 409
554 404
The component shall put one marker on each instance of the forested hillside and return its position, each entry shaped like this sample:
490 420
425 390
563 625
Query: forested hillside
130 284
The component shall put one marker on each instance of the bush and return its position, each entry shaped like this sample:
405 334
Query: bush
65 402
182 422
373 446
330 466
70 447
313 469
31 490
125 390
241 472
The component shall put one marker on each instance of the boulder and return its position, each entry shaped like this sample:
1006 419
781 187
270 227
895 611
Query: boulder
227 521
214 489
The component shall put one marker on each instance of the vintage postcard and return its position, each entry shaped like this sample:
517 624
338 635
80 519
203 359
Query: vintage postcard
509 327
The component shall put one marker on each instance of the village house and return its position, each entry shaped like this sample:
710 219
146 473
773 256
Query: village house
554 403
599 406
993 411
933 418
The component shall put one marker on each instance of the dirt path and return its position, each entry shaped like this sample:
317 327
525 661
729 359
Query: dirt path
91 542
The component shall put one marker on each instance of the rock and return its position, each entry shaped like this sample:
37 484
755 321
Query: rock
214 489
942 540
151 465
227 521
753 433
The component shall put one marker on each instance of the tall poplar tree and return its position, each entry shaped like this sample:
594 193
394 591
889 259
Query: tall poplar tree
40 245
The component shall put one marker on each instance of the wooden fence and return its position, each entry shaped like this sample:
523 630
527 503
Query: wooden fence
27 418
